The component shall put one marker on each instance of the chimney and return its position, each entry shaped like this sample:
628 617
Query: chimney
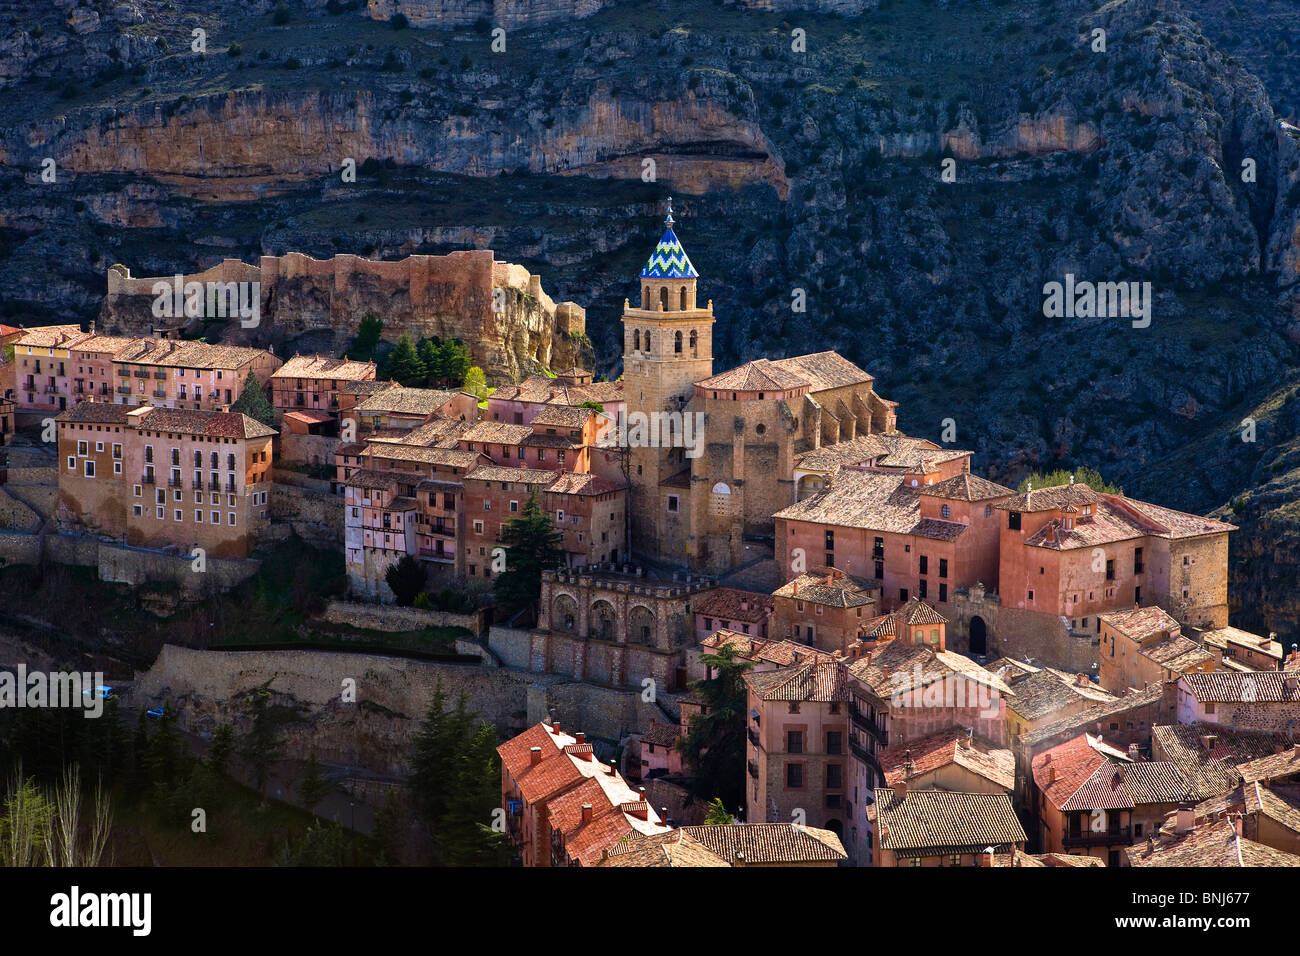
1133 752
900 789
909 767
534 756
1186 818
586 813
1081 680
580 737
1209 740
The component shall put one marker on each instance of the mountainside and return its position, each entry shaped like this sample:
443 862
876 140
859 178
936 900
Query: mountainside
811 175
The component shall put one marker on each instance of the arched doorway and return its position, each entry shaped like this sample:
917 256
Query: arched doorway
978 636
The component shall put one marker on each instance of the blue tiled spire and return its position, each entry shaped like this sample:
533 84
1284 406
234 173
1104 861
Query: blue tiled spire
669 260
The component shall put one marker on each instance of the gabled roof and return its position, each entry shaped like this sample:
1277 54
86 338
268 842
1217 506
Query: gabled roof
900 667
758 375
929 822
674 848
1215 844
950 747
1211 770
197 422
1141 622
1235 687
325 366
1273 767
1047 691
829 587
824 370
815 681
753 843
966 487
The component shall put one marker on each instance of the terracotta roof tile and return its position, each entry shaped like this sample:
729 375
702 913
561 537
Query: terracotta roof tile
929 822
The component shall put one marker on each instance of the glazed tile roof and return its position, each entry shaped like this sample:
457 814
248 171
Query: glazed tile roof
814 681
669 259
1234 687
725 604
195 422
930 822
325 366
833 588
1215 844
771 843
950 747
674 848
966 487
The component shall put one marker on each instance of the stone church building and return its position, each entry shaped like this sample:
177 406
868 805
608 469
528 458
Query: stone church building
731 466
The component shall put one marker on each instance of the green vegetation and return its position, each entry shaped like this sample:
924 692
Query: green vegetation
718 815
532 545
1082 475
252 401
406 579
456 782
367 338
714 747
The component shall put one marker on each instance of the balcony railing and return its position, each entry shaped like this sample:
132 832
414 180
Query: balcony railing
147 479
214 486
864 723
124 389
50 389
175 483
140 373
866 756
161 375
197 484
159 393
1122 836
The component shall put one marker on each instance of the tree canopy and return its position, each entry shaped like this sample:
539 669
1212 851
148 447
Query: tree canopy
714 747
532 546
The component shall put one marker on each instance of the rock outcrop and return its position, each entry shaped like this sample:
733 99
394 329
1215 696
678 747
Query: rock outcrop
498 309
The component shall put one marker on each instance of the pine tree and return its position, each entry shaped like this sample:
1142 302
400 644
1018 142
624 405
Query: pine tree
466 836
252 401
714 746
404 365
222 746
532 546
262 746
406 579
313 787
367 338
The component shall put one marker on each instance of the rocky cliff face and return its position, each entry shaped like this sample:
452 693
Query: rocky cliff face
514 333
1170 158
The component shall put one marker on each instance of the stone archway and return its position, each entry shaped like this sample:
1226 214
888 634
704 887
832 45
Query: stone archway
641 626
979 643
564 613
603 621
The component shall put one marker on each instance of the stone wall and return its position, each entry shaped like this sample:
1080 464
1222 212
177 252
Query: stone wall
314 516
125 565
512 645
206 688
305 449
388 617
1024 635
15 515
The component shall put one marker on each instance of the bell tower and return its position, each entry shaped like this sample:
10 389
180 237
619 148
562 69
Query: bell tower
667 348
